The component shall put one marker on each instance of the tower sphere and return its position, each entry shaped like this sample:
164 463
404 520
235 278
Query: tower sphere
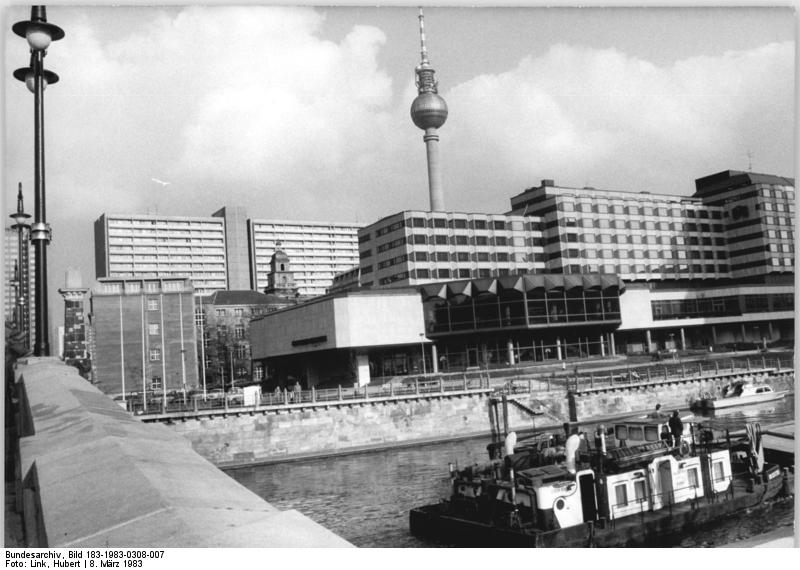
428 111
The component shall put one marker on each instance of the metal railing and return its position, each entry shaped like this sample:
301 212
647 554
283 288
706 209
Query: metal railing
427 386
433 384
661 373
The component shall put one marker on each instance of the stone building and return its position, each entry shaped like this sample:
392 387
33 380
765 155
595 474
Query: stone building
223 322
144 338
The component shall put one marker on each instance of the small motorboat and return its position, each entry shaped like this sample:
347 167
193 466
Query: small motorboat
742 394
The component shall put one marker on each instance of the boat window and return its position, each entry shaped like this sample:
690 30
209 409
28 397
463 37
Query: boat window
621 493
622 432
651 433
694 481
639 491
635 433
718 471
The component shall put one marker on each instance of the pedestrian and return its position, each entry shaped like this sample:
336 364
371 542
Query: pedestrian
657 413
676 427
297 390
443 363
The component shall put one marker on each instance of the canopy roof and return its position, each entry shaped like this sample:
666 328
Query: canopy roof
523 283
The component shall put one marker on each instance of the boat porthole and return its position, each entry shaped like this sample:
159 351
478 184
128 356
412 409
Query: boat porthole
560 504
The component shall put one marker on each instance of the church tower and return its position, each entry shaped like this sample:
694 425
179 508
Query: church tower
281 277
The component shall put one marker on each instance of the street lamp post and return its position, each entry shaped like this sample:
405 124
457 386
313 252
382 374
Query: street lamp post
39 34
23 267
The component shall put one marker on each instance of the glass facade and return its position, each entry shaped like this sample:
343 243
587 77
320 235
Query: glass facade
733 305
521 302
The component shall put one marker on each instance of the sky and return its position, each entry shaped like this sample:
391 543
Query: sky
303 113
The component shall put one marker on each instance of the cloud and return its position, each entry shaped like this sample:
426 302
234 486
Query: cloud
580 114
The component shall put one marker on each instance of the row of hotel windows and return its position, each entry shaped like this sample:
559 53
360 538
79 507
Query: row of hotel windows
605 223
638 254
457 223
721 306
631 210
622 269
635 239
458 257
422 239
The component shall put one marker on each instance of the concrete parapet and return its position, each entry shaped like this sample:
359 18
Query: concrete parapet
92 475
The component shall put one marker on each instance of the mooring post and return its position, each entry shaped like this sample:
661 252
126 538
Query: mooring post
649 379
748 364
732 366
340 392
666 374
548 382
612 379
778 365
441 385
700 370
313 394
764 362
195 404
716 367
416 386
591 380
530 386
465 381
683 371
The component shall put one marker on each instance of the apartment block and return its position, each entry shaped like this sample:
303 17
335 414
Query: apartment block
133 246
317 250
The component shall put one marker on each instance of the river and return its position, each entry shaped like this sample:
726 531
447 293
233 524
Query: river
365 498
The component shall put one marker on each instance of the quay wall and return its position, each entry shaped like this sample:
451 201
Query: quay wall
89 474
672 394
298 431
256 435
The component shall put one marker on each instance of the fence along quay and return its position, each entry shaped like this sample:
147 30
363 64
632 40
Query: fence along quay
314 423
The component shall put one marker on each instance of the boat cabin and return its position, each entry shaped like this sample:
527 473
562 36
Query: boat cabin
649 430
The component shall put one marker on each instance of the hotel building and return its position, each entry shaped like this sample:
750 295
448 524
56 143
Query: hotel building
417 247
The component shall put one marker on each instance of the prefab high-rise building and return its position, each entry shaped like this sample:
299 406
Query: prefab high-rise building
226 251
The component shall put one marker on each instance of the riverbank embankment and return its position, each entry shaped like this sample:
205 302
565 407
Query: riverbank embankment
448 410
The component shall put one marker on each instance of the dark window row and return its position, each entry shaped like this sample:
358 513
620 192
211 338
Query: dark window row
517 309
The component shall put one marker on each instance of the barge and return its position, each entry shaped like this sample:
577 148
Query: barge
629 488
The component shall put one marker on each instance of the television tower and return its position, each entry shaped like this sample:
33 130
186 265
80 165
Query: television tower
429 112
